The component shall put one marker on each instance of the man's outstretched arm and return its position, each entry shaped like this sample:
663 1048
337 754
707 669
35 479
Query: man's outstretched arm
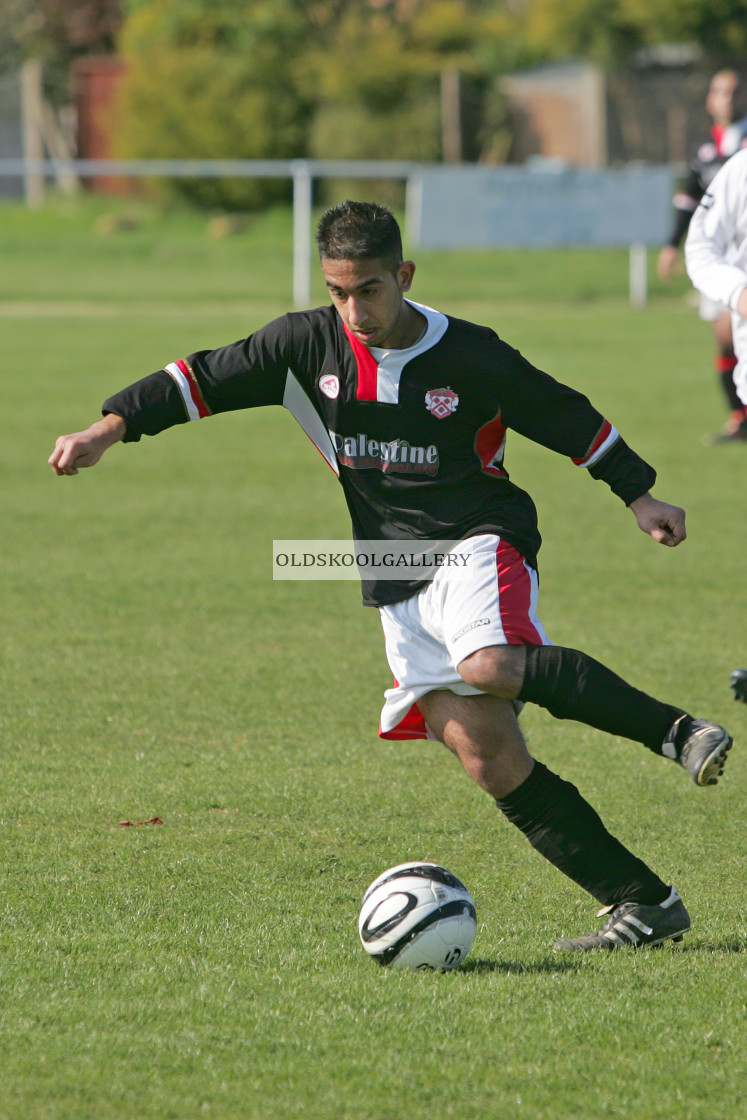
665 523
84 449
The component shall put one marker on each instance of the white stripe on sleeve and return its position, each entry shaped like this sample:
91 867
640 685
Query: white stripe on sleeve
183 386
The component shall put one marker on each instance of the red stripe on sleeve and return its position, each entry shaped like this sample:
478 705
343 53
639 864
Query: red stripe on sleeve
601 436
194 389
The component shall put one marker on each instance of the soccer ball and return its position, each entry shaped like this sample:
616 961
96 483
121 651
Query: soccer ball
418 916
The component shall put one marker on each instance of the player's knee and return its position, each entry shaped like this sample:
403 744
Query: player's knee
495 669
502 772
484 771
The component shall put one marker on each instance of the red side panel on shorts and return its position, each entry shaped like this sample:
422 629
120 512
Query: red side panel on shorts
411 727
515 586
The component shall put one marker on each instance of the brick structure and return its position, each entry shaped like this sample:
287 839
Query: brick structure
96 81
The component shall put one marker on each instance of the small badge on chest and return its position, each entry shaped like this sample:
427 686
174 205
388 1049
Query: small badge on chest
329 383
441 402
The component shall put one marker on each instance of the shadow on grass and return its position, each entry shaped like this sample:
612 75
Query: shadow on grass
550 965
714 946
518 967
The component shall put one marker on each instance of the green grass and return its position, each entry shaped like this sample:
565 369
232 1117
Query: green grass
210 966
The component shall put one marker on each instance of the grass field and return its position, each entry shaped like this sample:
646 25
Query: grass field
209 966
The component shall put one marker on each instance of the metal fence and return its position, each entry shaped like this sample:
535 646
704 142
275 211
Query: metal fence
449 206
302 172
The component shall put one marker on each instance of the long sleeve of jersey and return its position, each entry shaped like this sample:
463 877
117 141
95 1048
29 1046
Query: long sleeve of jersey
245 374
714 253
685 204
564 420
416 437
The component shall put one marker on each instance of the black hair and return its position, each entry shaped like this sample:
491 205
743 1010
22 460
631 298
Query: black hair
359 231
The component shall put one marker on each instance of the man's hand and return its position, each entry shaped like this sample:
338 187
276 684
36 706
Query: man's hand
665 523
83 449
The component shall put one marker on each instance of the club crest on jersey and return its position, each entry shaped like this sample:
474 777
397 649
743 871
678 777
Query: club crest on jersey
441 402
329 383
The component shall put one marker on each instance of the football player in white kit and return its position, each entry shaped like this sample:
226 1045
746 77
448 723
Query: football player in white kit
728 134
716 260
716 253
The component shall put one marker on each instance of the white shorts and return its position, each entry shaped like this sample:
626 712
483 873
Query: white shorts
492 601
710 309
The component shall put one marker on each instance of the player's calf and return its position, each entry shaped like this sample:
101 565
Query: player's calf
572 685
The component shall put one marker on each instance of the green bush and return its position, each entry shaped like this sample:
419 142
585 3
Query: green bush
343 79
213 83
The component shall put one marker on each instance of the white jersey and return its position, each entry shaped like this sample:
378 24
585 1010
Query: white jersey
716 251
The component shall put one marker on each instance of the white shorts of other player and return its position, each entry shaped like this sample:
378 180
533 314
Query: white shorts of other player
492 601
710 309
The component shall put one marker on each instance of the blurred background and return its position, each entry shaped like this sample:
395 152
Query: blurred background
593 83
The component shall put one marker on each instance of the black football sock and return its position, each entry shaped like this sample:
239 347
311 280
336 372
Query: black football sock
564 828
572 685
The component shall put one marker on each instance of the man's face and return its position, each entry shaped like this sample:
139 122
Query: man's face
369 298
720 101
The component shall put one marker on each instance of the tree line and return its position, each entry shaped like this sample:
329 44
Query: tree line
340 79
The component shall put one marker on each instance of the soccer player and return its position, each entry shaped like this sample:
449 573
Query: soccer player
716 253
411 408
716 259
727 136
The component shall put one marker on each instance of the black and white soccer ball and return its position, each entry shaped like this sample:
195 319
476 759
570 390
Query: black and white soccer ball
418 916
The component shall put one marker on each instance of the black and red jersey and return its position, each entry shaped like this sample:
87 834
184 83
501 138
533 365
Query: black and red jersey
417 437
710 157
